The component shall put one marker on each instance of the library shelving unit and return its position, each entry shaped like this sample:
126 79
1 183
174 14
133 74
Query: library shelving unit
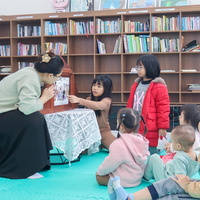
161 31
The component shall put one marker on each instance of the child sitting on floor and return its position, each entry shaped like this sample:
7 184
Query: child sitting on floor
128 153
189 114
185 160
180 187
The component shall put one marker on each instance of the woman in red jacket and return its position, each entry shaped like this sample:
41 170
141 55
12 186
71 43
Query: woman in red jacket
149 96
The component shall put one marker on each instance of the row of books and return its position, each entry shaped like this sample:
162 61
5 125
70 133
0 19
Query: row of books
165 45
190 23
165 23
136 43
24 31
131 26
58 48
86 27
52 28
4 50
28 49
22 65
109 26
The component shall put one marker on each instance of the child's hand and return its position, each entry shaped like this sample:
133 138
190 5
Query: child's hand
73 99
182 180
167 147
162 132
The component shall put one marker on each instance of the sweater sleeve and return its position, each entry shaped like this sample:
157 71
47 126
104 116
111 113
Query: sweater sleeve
193 189
113 160
104 104
29 92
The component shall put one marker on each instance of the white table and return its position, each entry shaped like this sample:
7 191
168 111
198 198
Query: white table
73 131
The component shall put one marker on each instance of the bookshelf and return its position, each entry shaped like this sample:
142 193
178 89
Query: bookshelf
160 31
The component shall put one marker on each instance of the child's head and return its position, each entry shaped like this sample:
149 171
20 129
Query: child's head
151 65
183 137
190 114
128 120
101 87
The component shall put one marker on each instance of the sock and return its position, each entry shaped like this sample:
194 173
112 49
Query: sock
36 175
120 192
111 191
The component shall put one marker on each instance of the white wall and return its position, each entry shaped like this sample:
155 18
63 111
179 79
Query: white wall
17 7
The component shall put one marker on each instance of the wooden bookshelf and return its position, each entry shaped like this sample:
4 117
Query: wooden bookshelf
86 62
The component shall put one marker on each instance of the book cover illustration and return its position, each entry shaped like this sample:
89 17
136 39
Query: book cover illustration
141 3
81 5
62 91
113 4
165 3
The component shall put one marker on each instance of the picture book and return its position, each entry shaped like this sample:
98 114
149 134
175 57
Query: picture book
141 3
113 4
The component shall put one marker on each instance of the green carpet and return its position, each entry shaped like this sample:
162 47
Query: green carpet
62 182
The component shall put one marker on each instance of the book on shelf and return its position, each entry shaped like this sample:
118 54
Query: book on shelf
133 71
22 65
4 50
194 87
118 44
5 69
168 70
189 70
101 47
190 46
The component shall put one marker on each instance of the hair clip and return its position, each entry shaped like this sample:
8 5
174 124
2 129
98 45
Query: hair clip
123 116
46 58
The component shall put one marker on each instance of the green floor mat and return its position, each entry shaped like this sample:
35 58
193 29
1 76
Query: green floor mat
62 182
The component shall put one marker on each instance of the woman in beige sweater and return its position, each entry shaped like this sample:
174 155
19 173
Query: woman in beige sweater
100 102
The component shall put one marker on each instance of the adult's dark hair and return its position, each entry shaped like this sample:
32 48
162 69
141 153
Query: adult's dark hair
191 114
151 65
106 82
53 66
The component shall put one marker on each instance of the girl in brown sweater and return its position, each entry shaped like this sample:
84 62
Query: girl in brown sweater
100 102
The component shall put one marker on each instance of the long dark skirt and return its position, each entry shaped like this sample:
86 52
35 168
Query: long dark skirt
24 144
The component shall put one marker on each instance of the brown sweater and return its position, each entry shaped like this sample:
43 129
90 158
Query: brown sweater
104 107
193 189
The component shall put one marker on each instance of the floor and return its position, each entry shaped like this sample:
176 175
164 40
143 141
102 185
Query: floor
62 182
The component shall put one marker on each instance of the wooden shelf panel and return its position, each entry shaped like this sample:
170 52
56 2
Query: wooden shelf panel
108 64
85 61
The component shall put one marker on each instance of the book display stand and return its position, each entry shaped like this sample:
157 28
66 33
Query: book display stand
64 86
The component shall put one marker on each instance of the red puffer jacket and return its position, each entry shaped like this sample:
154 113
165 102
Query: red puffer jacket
155 108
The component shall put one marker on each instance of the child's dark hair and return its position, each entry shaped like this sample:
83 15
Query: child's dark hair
106 82
184 135
191 114
130 118
53 66
151 65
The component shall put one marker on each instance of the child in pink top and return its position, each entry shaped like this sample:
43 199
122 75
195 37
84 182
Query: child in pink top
128 153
